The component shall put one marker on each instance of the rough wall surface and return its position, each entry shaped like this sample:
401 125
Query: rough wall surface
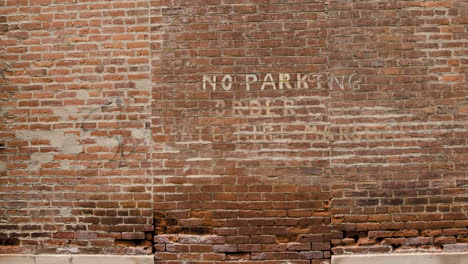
399 167
212 131
76 176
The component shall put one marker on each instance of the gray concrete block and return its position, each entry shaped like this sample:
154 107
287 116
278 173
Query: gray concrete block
413 258
75 259
15 259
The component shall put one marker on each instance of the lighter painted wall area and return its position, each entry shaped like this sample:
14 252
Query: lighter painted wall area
75 259
419 258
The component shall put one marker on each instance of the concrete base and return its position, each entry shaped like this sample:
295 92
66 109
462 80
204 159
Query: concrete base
75 259
407 258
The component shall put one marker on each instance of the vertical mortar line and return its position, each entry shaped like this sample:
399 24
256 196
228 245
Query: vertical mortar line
327 67
150 134
330 130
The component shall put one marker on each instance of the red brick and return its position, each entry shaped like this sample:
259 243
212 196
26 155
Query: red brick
419 240
379 234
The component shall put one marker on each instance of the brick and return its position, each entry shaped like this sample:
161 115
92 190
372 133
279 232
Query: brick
419 240
312 254
298 246
394 241
456 247
133 235
66 235
406 233
379 234
225 248
445 240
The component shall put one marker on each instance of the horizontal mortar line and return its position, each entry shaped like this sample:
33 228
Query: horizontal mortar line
291 71
445 49
82 19
67 59
384 140
374 164
446 82
81 51
80 184
405 123
295 20
261 100
192 142
364 108
282 150
370 116
373 148
282 109
247 116
245 73
175 37
287 124
277 158
173 185
295 133
428 131
277 106
380 155
438 34
279 141
188 184
344 134
462 146
251 39
72 59
199 159
201 176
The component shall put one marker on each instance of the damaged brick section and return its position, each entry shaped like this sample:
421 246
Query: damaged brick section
75 170
265 132
143 241
165 225
402 190
243 175
367 159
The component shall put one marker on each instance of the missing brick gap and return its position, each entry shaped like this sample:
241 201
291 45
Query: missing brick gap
150 237
9 242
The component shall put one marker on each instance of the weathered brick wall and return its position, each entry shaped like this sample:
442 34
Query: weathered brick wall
264 131
399 169
76 176
245 166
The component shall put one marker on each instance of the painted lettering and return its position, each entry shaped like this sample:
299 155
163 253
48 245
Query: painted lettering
284 81
268 80
249 79
227 82
301 81
207 79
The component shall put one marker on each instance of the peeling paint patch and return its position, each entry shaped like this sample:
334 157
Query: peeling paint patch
70 144
65 143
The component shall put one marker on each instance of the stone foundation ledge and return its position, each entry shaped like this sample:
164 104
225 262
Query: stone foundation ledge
403 258
75 259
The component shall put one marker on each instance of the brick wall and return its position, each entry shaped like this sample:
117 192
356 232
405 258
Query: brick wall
244 175
224 131
399 169
76 171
